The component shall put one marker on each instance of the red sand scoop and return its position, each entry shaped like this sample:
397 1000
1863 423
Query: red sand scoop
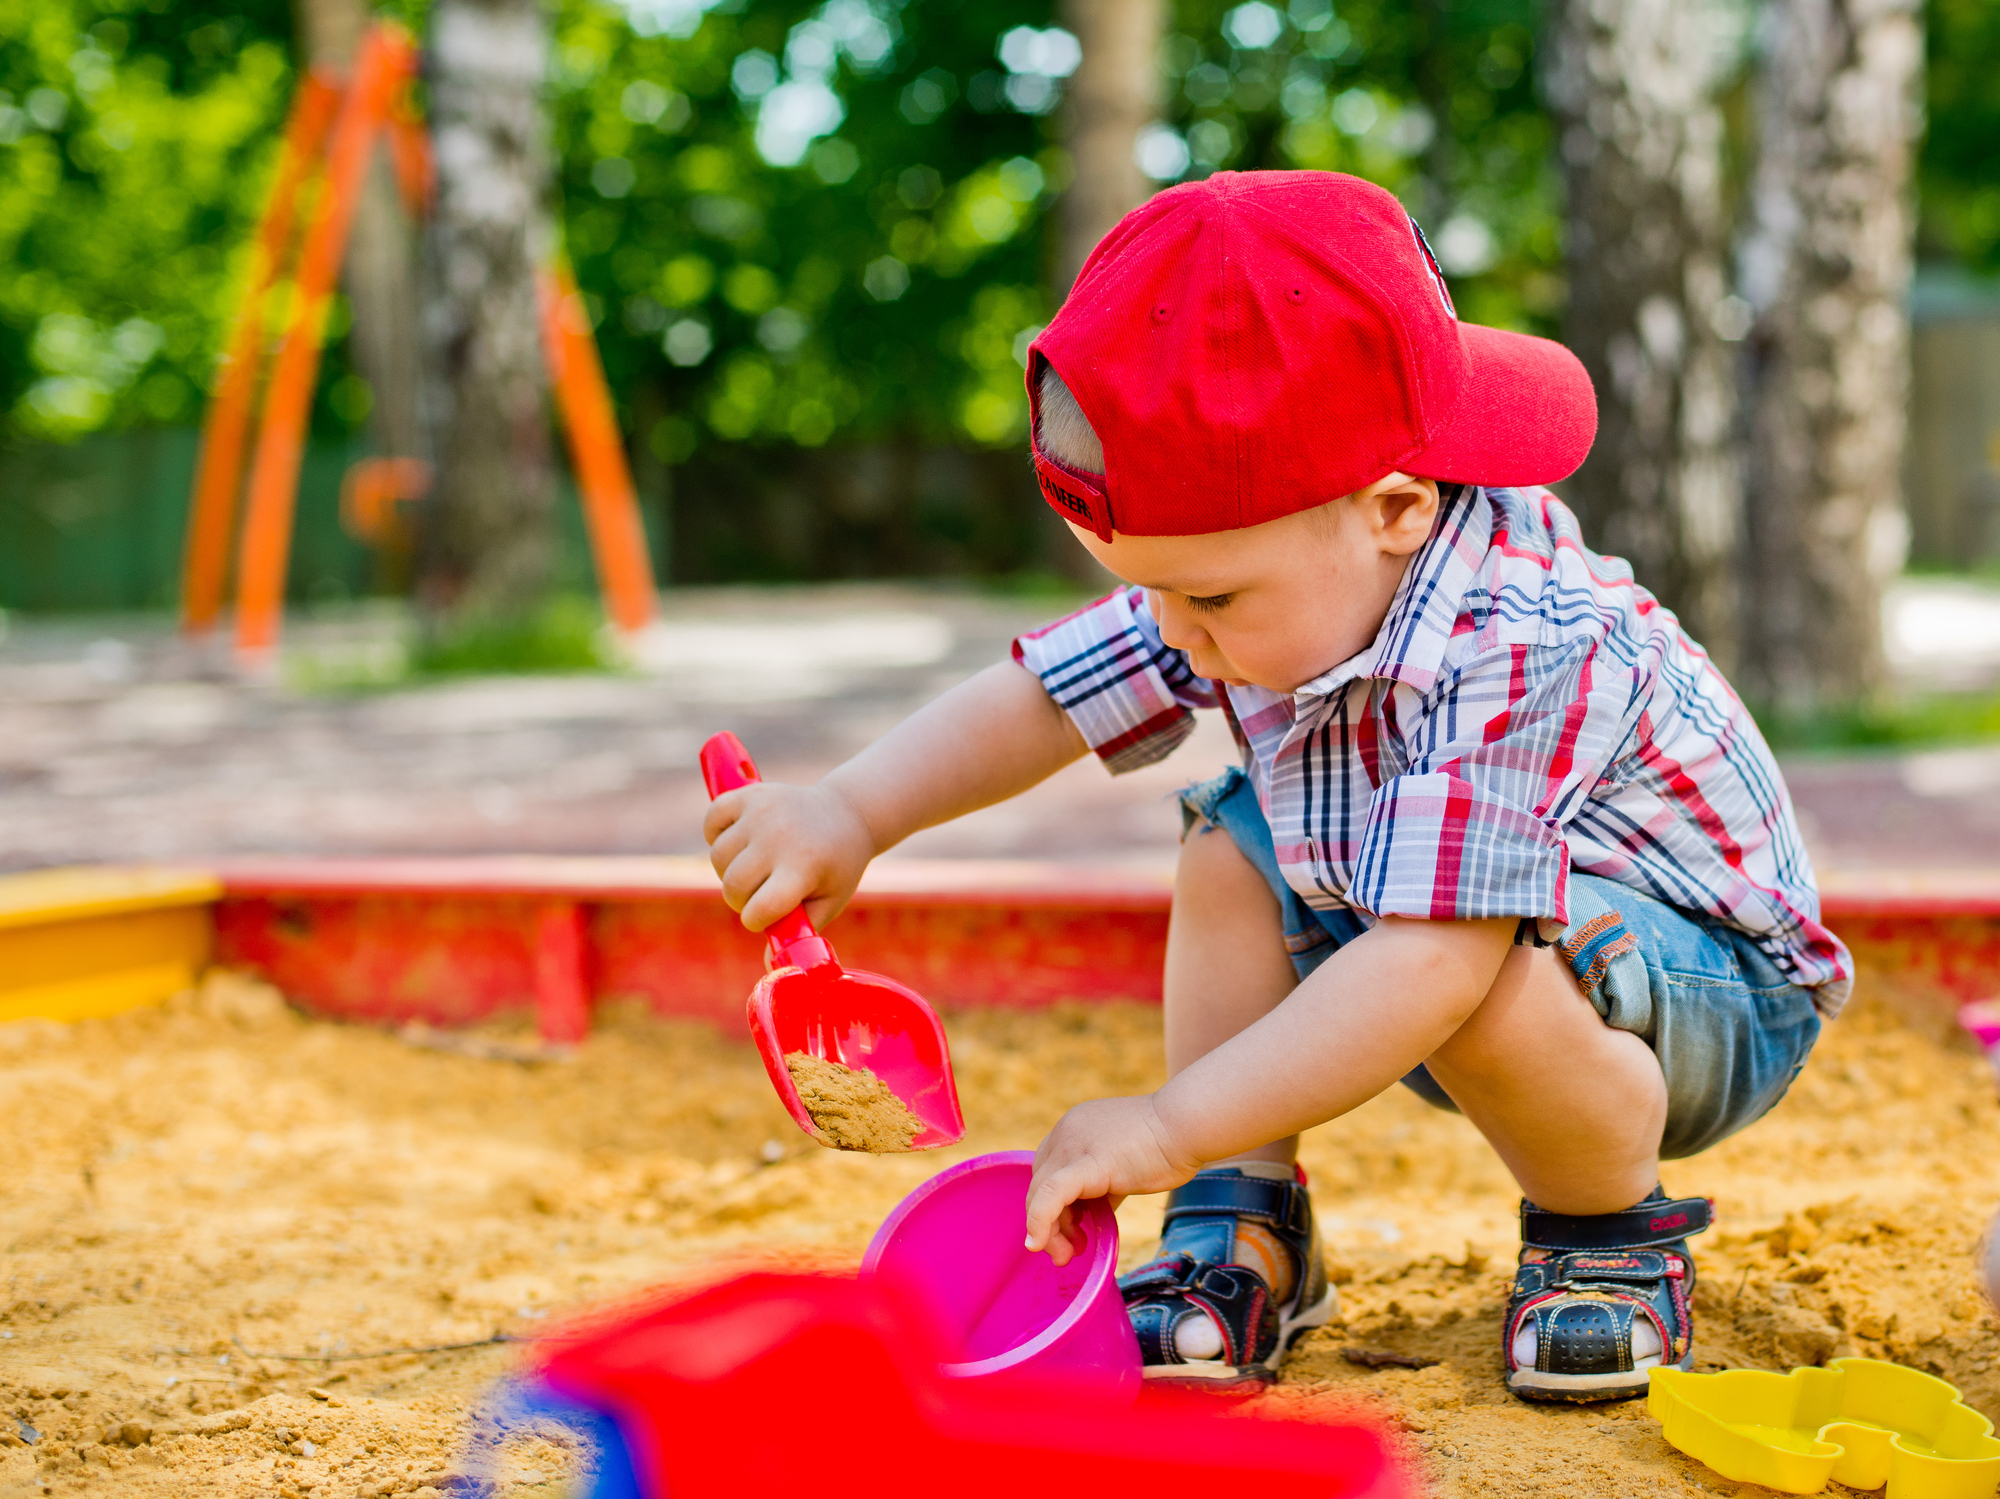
808 1002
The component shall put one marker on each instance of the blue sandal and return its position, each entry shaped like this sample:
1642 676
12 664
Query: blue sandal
1599 1300
1200 1269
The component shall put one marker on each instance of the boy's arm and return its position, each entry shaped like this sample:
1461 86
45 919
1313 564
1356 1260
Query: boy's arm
991 737
1366 1016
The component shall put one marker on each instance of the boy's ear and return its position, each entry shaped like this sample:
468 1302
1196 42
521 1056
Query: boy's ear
1404 510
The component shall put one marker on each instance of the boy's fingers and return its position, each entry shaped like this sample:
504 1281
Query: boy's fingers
1048 1197
821 909
727 845
782 891
746 875
1041 1215
722 812
1067 1231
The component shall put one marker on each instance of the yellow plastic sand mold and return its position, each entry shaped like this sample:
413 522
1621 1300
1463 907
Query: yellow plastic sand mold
1858 1421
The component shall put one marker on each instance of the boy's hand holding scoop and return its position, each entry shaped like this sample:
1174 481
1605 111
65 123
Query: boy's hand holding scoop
1501 831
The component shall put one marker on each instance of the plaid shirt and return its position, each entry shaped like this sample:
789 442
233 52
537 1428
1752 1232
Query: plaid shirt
1525 708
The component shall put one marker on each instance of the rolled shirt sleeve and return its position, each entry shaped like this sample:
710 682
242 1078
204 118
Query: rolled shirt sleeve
1129 694
1509 750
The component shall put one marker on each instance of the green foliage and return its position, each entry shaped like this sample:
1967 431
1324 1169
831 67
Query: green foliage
564 635
135 139
1433 100
797 222
757 285
873 272
1959 171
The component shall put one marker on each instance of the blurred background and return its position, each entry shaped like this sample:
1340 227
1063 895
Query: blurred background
813 242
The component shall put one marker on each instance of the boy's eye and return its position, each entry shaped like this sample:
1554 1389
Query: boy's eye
1207 605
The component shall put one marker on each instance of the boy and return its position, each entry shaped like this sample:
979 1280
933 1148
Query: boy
1501 831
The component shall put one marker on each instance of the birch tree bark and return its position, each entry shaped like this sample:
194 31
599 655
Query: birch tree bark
380 270
487 539
1633 84
1113 95
1827 269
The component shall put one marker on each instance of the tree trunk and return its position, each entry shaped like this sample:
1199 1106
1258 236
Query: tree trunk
380 270
1113 95
488 541
1827 269
1633 85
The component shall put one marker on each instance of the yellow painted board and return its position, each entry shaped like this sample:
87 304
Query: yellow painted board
98 995
78 943
45 895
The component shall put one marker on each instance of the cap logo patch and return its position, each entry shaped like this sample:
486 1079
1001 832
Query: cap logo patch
1431 266
1075 503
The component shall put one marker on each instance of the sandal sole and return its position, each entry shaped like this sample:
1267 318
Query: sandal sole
1585 1389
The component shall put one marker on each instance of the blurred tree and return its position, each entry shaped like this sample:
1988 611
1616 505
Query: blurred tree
1113 95
1634 88
380 270
487 538
1827 269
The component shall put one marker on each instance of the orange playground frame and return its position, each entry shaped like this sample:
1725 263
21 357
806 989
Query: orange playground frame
329 142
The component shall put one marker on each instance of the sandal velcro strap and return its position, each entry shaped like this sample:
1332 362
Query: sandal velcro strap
1636 1267
1649 1225
1170 1273
1284 1205
1160 1295
1632 1265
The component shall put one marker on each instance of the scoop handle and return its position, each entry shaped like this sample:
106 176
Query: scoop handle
726 766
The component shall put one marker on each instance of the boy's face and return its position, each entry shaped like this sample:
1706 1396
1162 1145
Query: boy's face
1279 604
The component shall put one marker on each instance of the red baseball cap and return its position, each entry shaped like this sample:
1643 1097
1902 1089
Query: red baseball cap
1262 342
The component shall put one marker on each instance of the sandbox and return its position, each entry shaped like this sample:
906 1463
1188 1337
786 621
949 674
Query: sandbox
195 1188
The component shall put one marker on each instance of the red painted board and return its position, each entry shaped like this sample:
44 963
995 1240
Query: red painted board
387 958
454 940
1016 882
1909 893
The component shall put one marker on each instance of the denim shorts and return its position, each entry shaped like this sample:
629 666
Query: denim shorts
1730 1032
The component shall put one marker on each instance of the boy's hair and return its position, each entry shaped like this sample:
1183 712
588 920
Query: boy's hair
1061 428
1065 434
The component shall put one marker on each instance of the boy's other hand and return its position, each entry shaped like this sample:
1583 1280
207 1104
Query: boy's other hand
1109 1147
779 846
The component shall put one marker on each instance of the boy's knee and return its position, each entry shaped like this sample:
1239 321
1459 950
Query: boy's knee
1532 999
1210 856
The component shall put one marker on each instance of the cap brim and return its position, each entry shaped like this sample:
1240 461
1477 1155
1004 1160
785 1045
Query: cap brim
1527 414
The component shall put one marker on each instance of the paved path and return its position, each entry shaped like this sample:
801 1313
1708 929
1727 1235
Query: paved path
115 744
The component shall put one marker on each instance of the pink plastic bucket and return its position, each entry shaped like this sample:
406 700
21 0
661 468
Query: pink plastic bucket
954 1244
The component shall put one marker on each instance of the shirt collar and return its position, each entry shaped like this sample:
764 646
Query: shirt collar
1410 646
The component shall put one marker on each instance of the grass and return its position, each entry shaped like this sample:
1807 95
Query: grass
564 634
1041 586
1899 723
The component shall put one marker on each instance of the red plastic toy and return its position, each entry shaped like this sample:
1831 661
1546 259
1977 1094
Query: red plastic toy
812 1385
808 1002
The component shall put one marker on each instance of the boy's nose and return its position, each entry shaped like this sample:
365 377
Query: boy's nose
1177 626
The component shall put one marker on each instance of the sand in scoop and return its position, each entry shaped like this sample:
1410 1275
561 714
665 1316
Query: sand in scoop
853 1107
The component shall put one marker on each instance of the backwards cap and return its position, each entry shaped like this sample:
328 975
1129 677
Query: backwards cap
1259 343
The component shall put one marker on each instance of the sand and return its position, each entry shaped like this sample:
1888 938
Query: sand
189 1183
851 1106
